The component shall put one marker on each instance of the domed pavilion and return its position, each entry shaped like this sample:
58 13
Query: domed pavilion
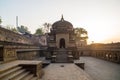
61 41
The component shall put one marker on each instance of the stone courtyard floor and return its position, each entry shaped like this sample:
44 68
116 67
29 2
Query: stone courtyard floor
64 71
100 69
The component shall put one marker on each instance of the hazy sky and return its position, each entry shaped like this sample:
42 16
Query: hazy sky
101 18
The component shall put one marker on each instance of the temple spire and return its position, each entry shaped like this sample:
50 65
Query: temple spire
62 19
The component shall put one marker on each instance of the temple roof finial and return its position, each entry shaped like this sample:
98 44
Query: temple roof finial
62 19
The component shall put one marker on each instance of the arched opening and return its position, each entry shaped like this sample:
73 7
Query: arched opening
81 53
62 43
1 54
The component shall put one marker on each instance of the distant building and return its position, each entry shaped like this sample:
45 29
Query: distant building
61 42
39 40
61 35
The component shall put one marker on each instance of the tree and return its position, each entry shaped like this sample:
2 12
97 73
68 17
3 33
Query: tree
23 29
47 27
0 20
14 29
9 27
81 34
39 31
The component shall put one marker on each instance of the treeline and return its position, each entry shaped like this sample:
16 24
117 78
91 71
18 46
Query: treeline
45 28
80 33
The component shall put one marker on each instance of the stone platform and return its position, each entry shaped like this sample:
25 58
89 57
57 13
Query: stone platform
15 63
21 70
64 71
100 69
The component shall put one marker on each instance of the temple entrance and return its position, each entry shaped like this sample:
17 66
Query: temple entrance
62 43
1 53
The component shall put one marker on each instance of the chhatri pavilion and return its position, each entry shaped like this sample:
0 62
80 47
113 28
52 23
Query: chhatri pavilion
61 41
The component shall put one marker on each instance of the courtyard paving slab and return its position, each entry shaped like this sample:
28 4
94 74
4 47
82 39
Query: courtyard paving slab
64 71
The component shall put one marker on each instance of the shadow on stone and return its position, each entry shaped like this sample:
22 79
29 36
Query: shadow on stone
80 65
61 65
45 65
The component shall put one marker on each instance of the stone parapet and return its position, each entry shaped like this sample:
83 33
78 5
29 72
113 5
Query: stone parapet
34 67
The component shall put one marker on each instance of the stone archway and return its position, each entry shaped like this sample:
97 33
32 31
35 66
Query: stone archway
62 43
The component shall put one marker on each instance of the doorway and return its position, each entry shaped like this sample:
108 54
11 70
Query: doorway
1 53
62 43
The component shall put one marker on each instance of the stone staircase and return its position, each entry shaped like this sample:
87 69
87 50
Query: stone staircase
14 71
61 56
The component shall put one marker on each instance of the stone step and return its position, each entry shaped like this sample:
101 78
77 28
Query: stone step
1 62
28 77
20 76
16 73
9 72
6 68
34 78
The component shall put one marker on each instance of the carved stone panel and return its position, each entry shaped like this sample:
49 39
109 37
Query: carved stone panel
9 54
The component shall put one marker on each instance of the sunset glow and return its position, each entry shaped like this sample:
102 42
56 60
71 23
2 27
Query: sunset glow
101 18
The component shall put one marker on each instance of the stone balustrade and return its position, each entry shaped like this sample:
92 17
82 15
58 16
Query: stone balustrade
109 52
10 36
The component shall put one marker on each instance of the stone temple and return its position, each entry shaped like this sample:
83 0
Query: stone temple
61 42
56 55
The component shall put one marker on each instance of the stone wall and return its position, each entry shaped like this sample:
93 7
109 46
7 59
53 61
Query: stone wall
18 51
109 52
10 36
27 55
7 54
84 53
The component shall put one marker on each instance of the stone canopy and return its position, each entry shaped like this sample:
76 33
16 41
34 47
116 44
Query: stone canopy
62 24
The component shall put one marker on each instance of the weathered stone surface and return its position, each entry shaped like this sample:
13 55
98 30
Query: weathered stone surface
27 55
34 67
64 71
10 36
101 69
9 54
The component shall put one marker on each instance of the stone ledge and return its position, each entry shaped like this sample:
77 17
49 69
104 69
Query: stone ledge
34 67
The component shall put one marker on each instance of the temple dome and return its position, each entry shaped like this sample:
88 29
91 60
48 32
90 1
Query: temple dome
62 24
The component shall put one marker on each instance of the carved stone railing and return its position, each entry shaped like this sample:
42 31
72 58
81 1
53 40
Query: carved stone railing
10 36
109 54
